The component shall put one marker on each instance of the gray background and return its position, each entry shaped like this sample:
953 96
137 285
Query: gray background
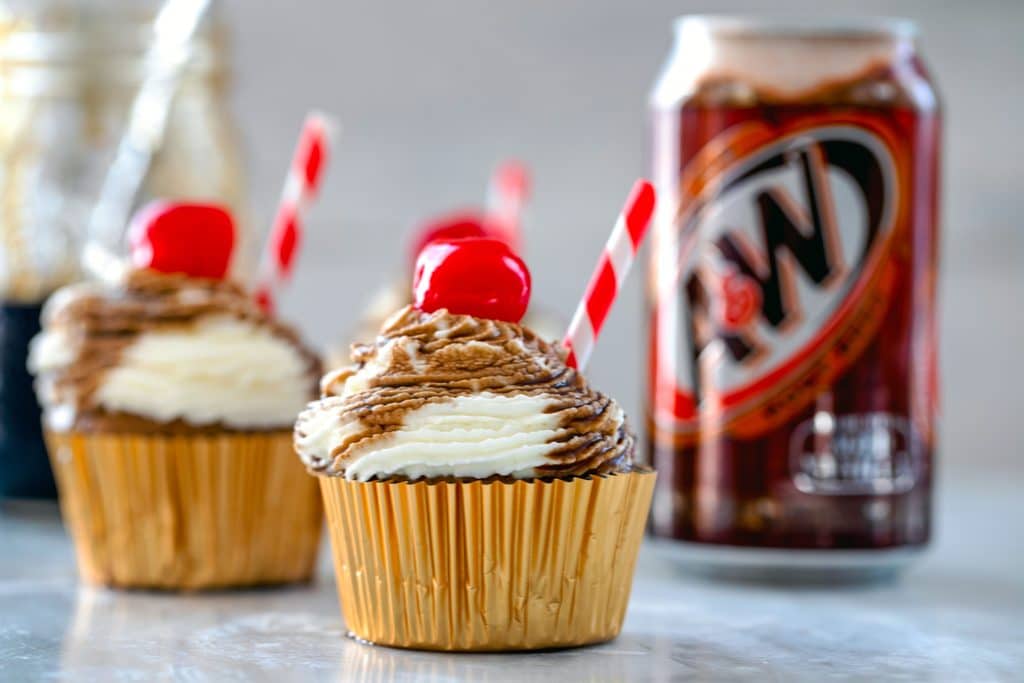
433 94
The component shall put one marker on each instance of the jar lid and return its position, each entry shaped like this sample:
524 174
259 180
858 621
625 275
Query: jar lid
800 27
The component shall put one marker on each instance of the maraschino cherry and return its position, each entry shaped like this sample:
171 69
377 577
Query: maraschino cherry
472 276
452 226
195 239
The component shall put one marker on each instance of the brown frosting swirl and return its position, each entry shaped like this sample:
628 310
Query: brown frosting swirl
97 323
421 358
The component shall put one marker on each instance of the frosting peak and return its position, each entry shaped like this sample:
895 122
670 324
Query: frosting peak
451 353
443 395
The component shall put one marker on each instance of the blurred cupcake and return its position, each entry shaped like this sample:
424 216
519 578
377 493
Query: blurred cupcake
168 396
501 219
480 495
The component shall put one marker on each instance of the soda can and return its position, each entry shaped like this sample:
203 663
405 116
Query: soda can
792 394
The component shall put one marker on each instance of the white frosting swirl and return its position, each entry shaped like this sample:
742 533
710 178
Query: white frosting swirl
474 436
168 352
219 370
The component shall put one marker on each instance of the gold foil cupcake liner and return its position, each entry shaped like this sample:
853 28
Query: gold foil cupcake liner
187 511
479 566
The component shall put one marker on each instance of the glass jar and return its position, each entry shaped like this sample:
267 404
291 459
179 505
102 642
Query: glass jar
68 74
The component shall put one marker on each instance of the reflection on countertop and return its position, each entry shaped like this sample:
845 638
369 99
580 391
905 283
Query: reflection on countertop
952 617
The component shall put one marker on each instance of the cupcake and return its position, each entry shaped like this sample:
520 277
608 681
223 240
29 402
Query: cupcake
480 495
168 399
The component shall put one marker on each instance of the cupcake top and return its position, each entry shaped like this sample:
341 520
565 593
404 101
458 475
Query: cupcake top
167 352
445 395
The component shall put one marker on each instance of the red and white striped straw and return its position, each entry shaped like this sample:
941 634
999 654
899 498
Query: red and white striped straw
507 194
300 188
606 282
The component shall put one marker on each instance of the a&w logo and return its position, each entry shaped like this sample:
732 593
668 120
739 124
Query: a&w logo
787 238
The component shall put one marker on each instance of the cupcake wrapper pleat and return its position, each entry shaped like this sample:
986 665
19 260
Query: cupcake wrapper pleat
187 512
487 566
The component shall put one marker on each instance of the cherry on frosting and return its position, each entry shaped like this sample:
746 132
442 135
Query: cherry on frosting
183 237
472 276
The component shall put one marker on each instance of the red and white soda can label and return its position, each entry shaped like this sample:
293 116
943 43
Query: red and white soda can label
790 275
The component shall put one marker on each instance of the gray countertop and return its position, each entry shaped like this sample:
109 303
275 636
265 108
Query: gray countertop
956 615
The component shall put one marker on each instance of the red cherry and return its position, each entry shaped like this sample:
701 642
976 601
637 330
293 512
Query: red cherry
183 237
452 226
459 225
473 276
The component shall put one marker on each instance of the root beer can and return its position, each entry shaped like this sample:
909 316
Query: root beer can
792 389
